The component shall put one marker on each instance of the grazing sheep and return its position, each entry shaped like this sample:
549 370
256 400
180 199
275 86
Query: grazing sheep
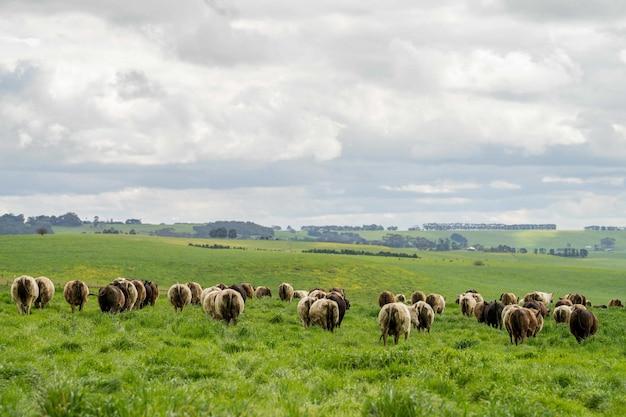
317 293
479 311
229 303
563 302
129 290
385 297
399 298
179 296
241 290
394 319
141 293
249 289
196 290
339 290
46 292
562 313
111 299
417 296
467 305
341 304
493 314
518 325
208 304
152 293
304 306
300 294
261 292
76 293
507 310
24 292
536 324
615 303
425 315
324 313
206 292
285 292
537 305
577 298
544 297
437 302
508 298
582 323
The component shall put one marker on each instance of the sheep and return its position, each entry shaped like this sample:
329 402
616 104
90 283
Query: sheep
341 304
304 306
437 302
508 298
206 292
111 299
479 311
518 325
467 304
562 313
24 292
507 310
563 302
129 290
76 293
339 290
229 303
179 296
141 293
615 303
317 293
261 292
394 319
425 315
576 298
325 313
152 293
385 297
399 298
582 323
46 292
493 314
196 290
300 294
536 323
543 297
208 303
285 292
537 305
241 290
248 288
417 296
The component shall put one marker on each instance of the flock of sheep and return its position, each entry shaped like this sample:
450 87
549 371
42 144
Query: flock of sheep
521 320
326 308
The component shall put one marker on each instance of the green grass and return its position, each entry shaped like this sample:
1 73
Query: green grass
156 363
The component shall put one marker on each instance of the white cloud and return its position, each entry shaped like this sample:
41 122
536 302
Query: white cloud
612 181
443 187
504 185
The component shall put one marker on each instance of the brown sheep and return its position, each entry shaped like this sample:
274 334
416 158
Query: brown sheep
129 290
399 298
508 298
544 297
141 293
317 293
285 292
467 304
537 305
241 290
208 303
582 323
111 299
152 293
563 302
179 296
615 303
437 302
324 313
196 290
24 292
46 292
493 314
417 296
261 292
562 313
425 315
249 289
577 298
229 303
76 293
394 319
507 310
304 306
518 325
341 304
339 290
385 297
479 311
300 294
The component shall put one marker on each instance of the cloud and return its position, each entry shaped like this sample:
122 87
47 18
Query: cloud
443 187
504 185
612 181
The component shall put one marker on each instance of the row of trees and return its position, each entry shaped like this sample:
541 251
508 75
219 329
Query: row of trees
486 226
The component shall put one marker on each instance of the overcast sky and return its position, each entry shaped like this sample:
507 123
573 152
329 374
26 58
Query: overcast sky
283 112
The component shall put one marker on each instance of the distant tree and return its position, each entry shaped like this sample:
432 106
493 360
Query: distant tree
460 240
232 234
220 232
42 231
392 228
96 221
132 232
523 250
607 243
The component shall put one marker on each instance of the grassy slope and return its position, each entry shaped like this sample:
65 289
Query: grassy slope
158 363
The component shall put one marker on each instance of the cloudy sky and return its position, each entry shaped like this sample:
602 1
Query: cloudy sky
282 112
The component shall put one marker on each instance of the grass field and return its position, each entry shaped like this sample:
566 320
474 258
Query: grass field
154 362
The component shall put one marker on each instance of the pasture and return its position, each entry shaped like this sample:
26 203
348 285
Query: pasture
153 362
